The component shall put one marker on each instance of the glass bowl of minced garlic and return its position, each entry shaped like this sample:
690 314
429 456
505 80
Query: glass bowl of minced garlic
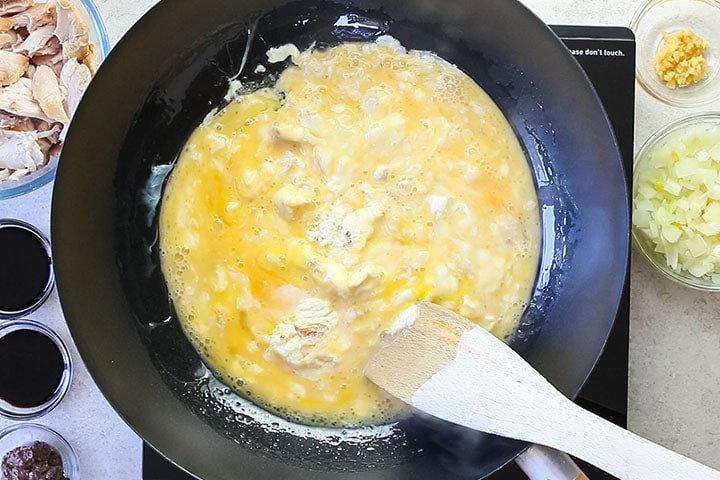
678 50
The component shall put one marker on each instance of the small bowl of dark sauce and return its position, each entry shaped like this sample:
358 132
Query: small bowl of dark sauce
26 274
29 450
35 369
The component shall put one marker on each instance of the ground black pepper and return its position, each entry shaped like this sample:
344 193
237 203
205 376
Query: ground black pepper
36 461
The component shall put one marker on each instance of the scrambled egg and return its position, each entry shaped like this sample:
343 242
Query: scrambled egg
301 221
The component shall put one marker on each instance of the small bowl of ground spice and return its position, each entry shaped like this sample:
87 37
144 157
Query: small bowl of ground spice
678 50
29 450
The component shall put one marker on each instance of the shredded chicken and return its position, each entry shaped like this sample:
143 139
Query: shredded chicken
9 39
75 77
299 339
46 63
54 61
13 6
18 99
20 150
73 33
14 122
12 67
38 15
36 41
48 93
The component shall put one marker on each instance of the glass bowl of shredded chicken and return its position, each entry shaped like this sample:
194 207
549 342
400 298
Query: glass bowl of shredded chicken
678 50
676 201
49 52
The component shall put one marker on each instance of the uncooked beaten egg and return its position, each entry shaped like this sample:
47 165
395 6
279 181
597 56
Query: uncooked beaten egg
302 220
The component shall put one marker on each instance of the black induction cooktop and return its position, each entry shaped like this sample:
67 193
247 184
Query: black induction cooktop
607 54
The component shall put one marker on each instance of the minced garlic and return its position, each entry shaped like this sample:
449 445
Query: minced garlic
679 60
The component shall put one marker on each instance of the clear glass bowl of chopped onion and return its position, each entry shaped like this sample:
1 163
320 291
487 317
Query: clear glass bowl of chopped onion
678 50
676 201
50 51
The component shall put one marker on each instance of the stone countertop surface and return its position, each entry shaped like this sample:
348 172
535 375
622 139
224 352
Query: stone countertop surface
674 375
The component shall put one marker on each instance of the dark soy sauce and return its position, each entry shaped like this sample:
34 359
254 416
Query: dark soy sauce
31 368
25 270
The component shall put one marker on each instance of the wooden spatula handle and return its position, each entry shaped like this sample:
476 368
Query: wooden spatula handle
624 454
534 411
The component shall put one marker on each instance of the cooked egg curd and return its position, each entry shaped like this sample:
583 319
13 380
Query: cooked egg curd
302 220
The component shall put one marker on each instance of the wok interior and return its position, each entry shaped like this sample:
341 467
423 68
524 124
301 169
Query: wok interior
175 403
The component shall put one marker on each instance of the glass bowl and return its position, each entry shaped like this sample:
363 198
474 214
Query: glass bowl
25 410
27 281
45 174
25 433
655 17
676 201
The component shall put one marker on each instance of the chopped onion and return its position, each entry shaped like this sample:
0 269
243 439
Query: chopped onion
676 202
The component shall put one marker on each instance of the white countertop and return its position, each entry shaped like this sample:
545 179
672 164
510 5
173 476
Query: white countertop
674 376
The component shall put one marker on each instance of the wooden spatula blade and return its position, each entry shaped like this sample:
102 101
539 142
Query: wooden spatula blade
453 369
408 360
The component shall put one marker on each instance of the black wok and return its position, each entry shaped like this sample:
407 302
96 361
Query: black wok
157 85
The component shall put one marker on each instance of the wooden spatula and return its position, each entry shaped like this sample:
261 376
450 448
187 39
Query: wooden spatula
453 369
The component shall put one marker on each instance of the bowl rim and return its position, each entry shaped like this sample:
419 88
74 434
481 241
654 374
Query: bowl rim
638 239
